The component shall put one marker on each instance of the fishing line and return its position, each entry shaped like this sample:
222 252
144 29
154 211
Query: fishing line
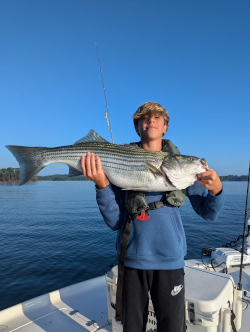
239 286
107 109
234 243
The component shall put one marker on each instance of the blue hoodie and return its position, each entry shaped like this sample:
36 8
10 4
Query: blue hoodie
158 243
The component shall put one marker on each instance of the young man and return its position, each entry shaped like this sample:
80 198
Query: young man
156 247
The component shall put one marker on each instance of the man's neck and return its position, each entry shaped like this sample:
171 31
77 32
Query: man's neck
152 145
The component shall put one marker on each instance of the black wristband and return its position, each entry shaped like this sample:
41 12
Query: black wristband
218 193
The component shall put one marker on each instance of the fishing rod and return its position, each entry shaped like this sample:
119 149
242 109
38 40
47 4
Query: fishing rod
107 109
239 286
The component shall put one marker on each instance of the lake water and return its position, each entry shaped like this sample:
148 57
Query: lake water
52 235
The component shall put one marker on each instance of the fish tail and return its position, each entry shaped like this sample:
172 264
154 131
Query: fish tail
29 159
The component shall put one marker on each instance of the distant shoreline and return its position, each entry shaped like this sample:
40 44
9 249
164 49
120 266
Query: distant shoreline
89 180
13 175
73 180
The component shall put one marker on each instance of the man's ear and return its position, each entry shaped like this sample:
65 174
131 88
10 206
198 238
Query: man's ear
136 129
165 128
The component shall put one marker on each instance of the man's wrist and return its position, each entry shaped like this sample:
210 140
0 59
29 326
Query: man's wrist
216 192
102 185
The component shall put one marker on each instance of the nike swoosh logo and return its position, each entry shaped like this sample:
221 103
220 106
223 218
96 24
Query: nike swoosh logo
176 290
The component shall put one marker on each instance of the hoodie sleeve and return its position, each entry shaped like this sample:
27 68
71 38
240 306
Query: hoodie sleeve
111 203
204 203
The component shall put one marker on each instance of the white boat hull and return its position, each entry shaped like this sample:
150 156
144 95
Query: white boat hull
83 306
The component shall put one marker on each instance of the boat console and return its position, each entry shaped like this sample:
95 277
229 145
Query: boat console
210 297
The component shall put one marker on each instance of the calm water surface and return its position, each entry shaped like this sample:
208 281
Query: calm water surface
52 235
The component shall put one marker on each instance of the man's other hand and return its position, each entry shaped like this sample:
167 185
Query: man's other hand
92 170
211 181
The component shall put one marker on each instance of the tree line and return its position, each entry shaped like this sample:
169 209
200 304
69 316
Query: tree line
62 177
234 178
13 174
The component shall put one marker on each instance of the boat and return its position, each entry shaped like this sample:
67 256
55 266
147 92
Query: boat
213 303
216 300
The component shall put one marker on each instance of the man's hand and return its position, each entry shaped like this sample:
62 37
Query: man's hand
210 181
92 170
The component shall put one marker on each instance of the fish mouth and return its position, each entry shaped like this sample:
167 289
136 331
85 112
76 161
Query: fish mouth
203 163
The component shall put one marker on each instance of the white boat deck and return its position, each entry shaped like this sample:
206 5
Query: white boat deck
55 311
83 307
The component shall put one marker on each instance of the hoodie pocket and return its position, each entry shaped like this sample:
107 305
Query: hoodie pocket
156 237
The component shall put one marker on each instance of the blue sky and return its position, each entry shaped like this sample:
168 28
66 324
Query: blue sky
191 56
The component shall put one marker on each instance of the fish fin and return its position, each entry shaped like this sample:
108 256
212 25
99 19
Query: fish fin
92 136
74 172
29 160
153 169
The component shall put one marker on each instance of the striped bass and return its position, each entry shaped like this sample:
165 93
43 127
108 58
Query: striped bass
127 167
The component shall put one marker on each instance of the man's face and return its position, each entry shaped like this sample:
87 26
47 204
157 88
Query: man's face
151 127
